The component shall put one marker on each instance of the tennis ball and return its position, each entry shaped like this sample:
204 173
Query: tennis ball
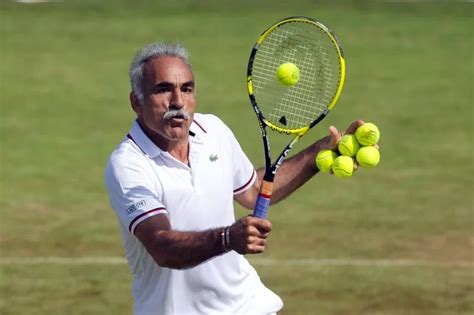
288 74
368 156
348 145
368 134
325 159
343 166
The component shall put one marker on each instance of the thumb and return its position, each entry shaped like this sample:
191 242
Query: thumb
334 137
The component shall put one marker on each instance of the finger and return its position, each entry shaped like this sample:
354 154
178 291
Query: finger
353 127
255 249
262 234
254 240
253 231
263 225
334 137
260 231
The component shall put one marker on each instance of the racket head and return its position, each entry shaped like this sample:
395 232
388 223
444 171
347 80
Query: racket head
317 53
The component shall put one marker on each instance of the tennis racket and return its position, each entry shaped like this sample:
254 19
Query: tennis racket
292 109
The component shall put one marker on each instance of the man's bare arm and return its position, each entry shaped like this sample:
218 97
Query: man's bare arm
186 249
296 170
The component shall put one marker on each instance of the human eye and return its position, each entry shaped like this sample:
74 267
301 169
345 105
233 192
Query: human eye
161 88
188 87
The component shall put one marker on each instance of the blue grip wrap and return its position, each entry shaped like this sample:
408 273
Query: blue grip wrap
261 207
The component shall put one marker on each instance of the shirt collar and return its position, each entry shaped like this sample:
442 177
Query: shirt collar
197 131
138 136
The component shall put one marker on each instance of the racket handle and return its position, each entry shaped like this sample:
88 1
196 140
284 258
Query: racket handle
263 200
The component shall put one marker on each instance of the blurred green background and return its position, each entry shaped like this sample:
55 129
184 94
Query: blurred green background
397 239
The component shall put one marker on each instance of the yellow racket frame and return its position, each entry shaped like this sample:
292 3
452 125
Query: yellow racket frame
342 62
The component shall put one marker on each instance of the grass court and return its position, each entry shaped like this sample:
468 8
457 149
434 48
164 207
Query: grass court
393 240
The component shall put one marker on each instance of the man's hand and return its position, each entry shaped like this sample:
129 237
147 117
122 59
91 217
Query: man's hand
296 170
249 235
330 142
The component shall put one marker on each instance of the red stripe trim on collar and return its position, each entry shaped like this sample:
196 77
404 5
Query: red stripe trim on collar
204 130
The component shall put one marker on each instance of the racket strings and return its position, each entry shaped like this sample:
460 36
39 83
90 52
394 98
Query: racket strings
310 48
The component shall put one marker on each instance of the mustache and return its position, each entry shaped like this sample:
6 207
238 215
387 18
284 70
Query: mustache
176 113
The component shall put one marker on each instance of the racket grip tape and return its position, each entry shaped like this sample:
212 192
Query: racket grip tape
263 200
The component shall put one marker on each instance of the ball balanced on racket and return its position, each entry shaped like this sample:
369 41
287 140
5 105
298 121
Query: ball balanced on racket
282 93
288 74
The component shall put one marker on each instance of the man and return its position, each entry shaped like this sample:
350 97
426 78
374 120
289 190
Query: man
172 182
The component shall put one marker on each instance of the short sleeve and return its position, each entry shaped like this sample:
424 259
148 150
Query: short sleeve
244 173
132 193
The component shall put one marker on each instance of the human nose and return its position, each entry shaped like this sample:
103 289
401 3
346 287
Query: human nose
176 100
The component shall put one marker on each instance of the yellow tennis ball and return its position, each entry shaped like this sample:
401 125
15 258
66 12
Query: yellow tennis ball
325 159
288 74
343 166
348 145
368 156
368 134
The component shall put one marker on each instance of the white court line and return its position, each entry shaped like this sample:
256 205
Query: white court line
56 260
362 262
348 262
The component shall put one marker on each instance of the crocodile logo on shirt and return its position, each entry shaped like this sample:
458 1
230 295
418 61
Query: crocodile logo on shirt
213 157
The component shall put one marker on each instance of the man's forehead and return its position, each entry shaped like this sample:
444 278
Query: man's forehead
167 64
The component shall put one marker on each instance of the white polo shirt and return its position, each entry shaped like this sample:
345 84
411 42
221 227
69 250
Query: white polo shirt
143 181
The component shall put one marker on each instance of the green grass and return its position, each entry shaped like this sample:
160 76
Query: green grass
355 290
65 290
64 106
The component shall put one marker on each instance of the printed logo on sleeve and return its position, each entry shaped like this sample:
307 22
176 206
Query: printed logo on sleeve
136 207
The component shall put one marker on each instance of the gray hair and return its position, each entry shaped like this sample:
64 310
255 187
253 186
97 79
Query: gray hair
147 53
